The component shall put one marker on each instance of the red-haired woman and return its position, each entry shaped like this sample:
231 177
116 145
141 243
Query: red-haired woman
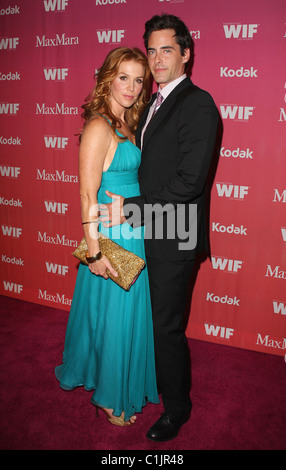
109 339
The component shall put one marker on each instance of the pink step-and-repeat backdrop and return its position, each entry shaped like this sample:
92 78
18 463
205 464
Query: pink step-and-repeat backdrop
49 52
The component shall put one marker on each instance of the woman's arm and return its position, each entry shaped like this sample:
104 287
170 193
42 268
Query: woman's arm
95 148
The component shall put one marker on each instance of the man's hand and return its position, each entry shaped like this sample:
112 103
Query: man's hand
112 214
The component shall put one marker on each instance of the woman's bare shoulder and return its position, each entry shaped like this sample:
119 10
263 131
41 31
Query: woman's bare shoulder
97 127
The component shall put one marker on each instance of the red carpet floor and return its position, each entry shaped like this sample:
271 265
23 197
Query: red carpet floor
239 399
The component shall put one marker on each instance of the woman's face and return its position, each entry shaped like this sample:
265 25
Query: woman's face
127 85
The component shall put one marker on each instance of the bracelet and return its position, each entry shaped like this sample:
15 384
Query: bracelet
90 222
92 259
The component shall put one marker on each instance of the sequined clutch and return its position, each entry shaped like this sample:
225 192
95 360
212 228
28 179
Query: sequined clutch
127 265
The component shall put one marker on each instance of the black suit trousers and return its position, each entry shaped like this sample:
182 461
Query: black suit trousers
169 282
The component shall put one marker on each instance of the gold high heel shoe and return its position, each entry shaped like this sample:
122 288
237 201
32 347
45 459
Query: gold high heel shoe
116 420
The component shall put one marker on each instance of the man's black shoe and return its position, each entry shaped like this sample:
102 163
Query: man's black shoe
167 427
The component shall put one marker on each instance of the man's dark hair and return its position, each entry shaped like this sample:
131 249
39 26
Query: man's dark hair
157 23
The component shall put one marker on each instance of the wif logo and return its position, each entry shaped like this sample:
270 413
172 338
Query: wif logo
110 36
9 44
55 5
222 331
237 113
240 31
10 109
12 287
224 264
52 142
57 269
231 191
56 207
10 171
279 307
14 232
56 75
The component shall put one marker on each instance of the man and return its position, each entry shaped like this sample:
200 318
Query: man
177 139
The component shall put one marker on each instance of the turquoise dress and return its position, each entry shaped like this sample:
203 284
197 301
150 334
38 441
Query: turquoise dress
109 345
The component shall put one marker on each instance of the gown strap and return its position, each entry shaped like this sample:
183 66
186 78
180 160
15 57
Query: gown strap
102 115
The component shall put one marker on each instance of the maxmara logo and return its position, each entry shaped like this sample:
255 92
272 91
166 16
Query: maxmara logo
56 239
269 342
56 109
57 176
58 40
55 298
240 31
275 272
279 195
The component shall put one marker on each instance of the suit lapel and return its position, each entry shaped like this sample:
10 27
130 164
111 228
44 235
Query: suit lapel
163 110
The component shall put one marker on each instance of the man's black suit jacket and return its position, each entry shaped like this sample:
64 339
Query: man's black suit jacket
176 156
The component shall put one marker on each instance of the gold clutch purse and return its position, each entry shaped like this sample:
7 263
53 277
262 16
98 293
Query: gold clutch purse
127 265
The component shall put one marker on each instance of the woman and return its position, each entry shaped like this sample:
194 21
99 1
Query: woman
109 338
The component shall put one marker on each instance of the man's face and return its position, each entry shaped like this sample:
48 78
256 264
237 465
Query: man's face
164 57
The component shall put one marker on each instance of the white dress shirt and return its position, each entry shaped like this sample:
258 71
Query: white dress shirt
165 91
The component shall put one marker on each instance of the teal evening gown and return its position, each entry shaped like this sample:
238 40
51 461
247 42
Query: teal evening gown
109 346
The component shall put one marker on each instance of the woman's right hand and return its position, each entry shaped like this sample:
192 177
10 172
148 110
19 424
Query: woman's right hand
100 267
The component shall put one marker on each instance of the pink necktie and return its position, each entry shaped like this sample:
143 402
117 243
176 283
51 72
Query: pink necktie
159 101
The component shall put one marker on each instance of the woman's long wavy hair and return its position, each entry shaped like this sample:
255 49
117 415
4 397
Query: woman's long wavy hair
98 101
